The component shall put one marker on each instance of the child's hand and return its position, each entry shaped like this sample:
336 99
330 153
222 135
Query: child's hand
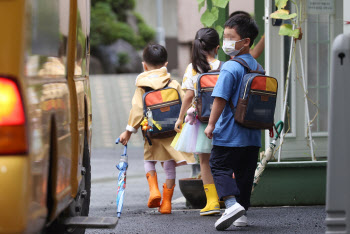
178 125
125 137
209 131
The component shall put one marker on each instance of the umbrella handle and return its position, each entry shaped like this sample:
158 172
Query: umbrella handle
278 128
125 146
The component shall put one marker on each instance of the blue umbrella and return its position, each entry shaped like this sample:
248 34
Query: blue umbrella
122 167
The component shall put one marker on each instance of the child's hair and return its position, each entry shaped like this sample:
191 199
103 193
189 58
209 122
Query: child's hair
245 26
155 55
206 40
239 12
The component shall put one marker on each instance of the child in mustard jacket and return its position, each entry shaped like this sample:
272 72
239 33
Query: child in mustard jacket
156 76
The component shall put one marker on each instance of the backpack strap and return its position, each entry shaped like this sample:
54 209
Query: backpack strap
147 89
246 66
259 68
243 63
168 83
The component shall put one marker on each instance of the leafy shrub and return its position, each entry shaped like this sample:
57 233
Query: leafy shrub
123 58
108 24
119 7
102 20
146 33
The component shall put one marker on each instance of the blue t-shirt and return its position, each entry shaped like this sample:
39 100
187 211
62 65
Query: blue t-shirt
227 132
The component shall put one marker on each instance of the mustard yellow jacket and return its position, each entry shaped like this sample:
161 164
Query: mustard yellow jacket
155 79
160 150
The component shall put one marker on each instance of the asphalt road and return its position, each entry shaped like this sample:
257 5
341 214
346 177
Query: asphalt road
138 218
111 102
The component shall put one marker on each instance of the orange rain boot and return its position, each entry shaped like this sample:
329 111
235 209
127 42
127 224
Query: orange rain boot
165 207
154 194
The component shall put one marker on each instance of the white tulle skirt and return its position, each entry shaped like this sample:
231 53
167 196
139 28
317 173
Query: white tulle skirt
192 139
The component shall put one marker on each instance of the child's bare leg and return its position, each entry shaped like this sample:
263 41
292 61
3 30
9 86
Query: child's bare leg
153 172
170 183
207 177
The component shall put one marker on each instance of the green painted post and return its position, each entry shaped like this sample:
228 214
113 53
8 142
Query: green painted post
223 16
259 7
209 4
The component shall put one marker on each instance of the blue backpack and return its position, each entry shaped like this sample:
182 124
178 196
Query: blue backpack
161 109
205 85
257 99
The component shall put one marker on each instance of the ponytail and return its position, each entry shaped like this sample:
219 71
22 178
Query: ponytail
206 40
199 58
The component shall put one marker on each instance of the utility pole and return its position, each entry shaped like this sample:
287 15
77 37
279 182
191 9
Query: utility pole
160 28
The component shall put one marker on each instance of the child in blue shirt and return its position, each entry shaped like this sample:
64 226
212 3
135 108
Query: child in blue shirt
235 148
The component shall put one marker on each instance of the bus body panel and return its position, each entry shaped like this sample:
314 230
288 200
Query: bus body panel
14 196
34 47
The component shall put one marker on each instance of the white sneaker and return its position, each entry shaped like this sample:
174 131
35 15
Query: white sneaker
241 221
231 214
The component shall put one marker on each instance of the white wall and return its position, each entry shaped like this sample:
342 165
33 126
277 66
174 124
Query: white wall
189 17
182 20
189 23
296 144
148 9
239 5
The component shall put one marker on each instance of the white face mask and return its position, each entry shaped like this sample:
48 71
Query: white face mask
229 47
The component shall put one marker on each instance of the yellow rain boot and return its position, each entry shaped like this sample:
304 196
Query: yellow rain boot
154 194
213 206
165 207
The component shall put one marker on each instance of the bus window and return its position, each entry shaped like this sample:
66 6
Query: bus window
81 48
48 32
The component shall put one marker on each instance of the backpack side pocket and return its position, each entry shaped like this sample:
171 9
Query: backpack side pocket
241 110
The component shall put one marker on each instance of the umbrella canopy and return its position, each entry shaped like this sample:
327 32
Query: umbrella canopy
122 167
266 157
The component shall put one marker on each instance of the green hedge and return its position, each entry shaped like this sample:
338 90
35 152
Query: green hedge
108 24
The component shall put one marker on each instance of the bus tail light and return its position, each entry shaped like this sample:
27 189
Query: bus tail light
13 138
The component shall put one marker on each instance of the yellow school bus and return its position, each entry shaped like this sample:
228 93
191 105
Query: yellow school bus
45 114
